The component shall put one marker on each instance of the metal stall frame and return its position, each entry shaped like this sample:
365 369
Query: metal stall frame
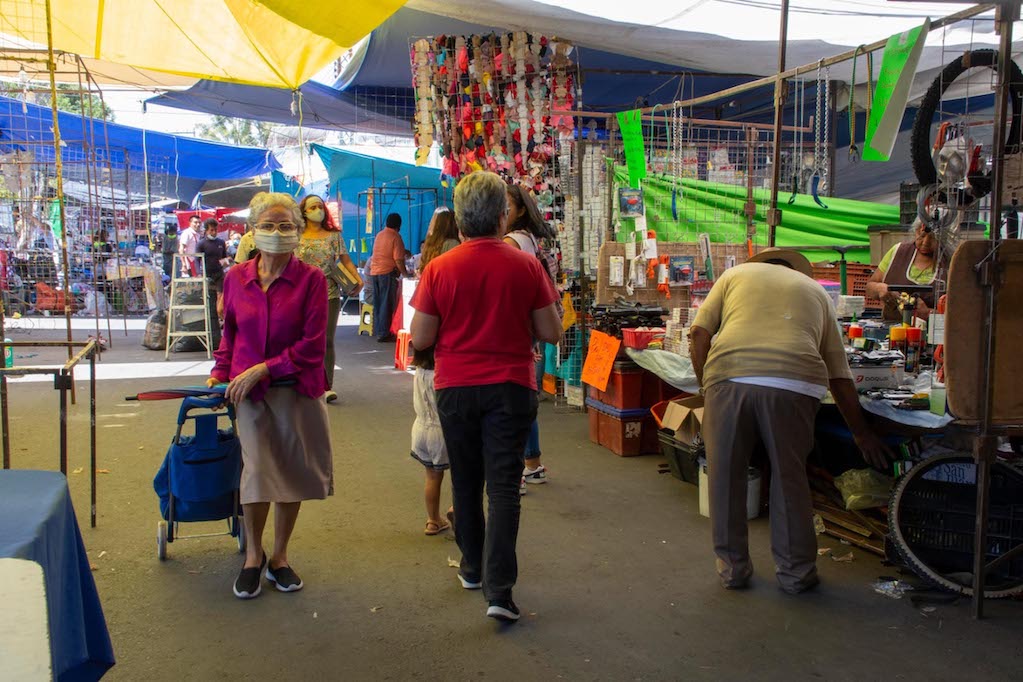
778 80
63 381
1007 11
986 439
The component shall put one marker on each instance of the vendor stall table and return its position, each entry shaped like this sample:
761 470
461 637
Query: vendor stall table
152 278
37 522
25 650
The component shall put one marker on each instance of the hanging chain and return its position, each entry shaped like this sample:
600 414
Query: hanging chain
817 123
825 157
677 130
800 122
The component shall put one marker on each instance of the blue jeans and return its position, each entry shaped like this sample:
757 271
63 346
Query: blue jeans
533 444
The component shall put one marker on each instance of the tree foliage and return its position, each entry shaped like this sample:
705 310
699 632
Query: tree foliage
237 131
69 98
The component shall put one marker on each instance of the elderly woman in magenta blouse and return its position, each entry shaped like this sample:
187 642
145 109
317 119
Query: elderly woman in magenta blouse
271 353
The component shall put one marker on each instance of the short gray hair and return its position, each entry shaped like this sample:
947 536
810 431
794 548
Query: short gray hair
481 201
264 201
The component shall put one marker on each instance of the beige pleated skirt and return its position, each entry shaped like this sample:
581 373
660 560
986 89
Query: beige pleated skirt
286 453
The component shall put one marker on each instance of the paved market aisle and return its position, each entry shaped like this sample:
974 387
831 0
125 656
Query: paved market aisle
617 579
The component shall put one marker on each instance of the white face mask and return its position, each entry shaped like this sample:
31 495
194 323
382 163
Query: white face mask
275 242
315 215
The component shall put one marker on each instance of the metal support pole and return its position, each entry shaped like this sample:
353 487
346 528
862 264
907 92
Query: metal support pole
750 209
59 172
612 139
832 114
61 378
780 86
988 272
92 431
6 424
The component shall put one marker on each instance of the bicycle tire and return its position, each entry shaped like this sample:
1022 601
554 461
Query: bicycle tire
924 567
921 141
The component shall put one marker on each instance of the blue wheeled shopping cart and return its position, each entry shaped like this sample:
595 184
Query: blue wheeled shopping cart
199 478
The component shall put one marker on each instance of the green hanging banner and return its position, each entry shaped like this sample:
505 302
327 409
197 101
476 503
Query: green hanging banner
630 124
901 56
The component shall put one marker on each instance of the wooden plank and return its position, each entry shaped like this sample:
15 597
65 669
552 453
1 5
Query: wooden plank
853 539
844 522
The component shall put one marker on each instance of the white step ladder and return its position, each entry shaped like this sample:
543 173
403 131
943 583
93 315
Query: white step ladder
175 310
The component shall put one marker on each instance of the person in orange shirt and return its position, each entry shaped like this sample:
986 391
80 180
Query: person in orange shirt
387 265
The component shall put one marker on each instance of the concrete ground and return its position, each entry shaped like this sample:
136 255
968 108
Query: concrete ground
616 573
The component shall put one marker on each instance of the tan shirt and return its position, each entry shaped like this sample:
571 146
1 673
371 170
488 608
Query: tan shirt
771 321
388 251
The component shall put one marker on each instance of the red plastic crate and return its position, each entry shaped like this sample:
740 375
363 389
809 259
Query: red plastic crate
856 277
627 435
634 338
624 387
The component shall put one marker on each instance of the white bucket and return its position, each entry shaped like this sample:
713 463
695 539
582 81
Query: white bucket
752 493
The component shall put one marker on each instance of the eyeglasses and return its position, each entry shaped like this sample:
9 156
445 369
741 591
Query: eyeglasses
287 227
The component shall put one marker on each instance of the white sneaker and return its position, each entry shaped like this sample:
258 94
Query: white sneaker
522 486
537 475
469 584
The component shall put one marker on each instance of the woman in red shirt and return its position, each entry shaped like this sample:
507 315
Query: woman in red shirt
274 340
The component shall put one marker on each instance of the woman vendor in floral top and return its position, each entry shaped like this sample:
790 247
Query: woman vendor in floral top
322 246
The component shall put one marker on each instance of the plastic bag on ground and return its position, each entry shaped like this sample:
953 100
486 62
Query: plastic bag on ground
155 337
864 488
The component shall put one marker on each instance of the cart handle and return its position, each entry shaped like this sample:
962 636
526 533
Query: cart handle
194 403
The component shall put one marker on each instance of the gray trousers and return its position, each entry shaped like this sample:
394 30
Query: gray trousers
736 417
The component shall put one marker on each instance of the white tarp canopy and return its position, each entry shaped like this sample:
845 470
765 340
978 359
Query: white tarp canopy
737 36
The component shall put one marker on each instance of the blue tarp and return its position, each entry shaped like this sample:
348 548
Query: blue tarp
321 106
29 126
413 192
279 182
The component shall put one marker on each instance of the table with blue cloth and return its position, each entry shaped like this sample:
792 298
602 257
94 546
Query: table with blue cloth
37 522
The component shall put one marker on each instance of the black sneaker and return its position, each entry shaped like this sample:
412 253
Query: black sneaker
284 579
504 610
247 584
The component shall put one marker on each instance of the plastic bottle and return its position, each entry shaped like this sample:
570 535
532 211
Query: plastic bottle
897 339
914 348
8 354
855 331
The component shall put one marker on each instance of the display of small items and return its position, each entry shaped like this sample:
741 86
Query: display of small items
490 101
676 333
612 319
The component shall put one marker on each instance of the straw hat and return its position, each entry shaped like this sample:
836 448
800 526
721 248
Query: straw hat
794 259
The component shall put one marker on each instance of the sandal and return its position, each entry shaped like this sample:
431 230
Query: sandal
433 528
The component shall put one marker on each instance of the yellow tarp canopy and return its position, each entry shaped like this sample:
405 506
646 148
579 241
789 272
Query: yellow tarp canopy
280 43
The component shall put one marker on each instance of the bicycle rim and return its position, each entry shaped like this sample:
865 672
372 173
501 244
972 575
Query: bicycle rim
932 516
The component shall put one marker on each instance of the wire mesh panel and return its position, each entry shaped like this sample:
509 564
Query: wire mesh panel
72 208
711 178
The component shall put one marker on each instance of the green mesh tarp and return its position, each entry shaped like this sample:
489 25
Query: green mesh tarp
717 209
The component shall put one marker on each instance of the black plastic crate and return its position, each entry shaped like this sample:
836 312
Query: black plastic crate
682 458
938 520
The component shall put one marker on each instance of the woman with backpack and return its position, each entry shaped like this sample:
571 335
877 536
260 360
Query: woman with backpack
526 230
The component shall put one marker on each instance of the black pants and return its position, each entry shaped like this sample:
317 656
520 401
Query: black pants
385 291
485 430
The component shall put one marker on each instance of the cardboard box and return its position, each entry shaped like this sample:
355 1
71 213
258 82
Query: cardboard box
877 376
684 417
